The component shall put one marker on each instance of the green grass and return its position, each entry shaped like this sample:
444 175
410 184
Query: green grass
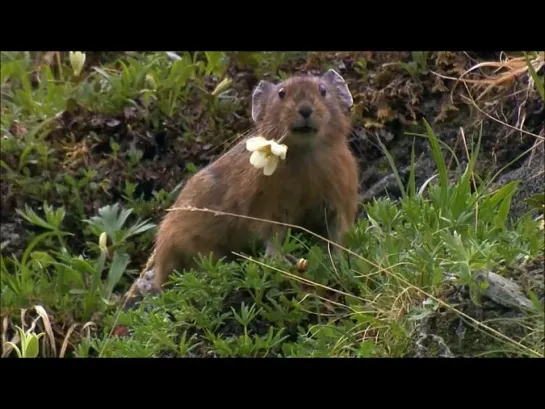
402 262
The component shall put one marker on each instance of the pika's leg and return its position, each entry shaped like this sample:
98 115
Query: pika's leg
337 225
164 267
170 252
272 251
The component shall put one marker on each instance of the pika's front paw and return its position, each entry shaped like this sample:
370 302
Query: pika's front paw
272 252
146 284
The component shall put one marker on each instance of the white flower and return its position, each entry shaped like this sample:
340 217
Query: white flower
103 244
151 81
103 241
77 61
266 153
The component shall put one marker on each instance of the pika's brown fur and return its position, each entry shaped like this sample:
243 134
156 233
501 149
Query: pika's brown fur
316 186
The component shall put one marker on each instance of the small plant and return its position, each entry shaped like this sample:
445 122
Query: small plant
29 340
539 81
418 66
29 343
112 219
59 278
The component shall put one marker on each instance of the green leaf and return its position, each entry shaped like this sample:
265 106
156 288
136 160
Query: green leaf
213 58
440 162
367 349
32 347
42 258
190 167
537 201
411 189
535 301
138 228
35 242
76 291
30 216
15 348
393 166
537 80
504 192
119 264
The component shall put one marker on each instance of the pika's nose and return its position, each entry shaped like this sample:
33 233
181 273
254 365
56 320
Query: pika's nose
305 111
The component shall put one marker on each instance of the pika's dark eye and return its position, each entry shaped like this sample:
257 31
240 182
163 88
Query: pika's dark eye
281 93
322 90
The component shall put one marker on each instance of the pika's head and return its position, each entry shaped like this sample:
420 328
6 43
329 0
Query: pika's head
308 109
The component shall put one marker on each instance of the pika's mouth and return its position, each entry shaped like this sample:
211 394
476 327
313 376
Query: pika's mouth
304 129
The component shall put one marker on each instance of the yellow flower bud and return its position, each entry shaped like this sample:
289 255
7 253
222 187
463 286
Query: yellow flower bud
222 86
301 265
150 81
103 241
77 61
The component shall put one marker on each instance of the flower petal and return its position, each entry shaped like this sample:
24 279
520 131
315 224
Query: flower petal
255 143
270 167
279 150
258 160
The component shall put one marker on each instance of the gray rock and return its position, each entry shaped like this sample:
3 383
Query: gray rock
531 175
503 291
11 237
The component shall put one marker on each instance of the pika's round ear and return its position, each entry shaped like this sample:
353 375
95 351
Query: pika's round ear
259 99
334 78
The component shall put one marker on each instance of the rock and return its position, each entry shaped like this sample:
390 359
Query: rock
11 237
503 291
532 178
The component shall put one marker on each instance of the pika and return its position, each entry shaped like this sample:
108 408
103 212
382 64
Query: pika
315 186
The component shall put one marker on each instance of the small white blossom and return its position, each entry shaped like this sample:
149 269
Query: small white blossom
266 153
103 244
103 241
150 81
77 61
